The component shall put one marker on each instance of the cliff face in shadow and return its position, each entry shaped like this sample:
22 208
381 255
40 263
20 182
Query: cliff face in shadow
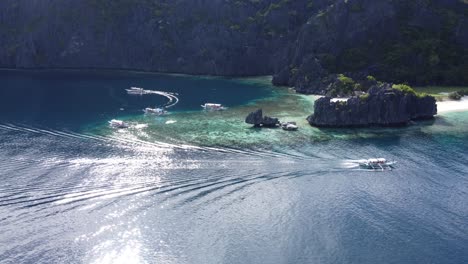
298 41
197 37
420 42
383 105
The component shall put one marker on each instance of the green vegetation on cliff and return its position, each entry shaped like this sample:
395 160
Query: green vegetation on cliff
421 42
419 53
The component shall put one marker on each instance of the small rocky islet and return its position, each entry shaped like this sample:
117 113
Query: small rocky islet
382 105
365 101
258 120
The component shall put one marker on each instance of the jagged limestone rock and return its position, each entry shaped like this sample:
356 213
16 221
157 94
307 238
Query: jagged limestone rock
382 106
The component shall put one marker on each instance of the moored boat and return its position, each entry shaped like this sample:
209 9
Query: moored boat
155 111
289 126
118 123
135 90
213 107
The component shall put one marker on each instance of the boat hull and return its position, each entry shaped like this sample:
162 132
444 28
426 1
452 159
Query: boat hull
377 166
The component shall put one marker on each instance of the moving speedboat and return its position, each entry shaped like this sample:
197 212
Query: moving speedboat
377 164
118 123
289 126
135 90
213 107
155 111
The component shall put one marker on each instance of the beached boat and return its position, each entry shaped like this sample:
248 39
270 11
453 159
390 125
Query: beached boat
136 91
118 123
377 164
155 111
213 107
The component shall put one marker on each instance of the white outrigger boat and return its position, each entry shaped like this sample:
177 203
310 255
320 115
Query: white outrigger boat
213 107
118 123
136 91
376 164
155 111
289 126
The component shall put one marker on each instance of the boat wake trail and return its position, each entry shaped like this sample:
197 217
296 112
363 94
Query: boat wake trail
121 140
351 164
93 173
130 141
172 97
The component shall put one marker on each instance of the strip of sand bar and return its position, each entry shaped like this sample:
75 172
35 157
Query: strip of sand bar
453 106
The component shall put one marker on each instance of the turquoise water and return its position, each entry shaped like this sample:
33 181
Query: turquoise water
204 187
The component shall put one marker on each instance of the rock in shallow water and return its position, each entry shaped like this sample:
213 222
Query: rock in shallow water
382 106
257 119
270 121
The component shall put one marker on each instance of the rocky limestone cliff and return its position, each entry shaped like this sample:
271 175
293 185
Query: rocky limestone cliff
382 106
398 41
300 41
198 37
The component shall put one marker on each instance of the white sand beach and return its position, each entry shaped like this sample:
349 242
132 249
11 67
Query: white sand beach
453 106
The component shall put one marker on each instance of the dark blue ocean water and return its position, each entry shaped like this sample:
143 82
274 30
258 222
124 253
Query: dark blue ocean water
70 196
73 98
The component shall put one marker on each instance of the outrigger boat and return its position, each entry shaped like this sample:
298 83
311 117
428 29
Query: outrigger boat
377 164
118 123
213 107
155 111
289 126
135 90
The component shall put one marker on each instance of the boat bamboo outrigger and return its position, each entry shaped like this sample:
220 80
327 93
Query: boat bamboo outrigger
377 164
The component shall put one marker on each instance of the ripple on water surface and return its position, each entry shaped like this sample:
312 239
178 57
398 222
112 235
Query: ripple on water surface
206 188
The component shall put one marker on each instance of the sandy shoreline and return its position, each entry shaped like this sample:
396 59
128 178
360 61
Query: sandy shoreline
453 106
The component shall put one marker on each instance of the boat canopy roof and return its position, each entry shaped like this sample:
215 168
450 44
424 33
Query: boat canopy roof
117 121
379 160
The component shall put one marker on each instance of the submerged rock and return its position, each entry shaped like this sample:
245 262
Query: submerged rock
382 106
